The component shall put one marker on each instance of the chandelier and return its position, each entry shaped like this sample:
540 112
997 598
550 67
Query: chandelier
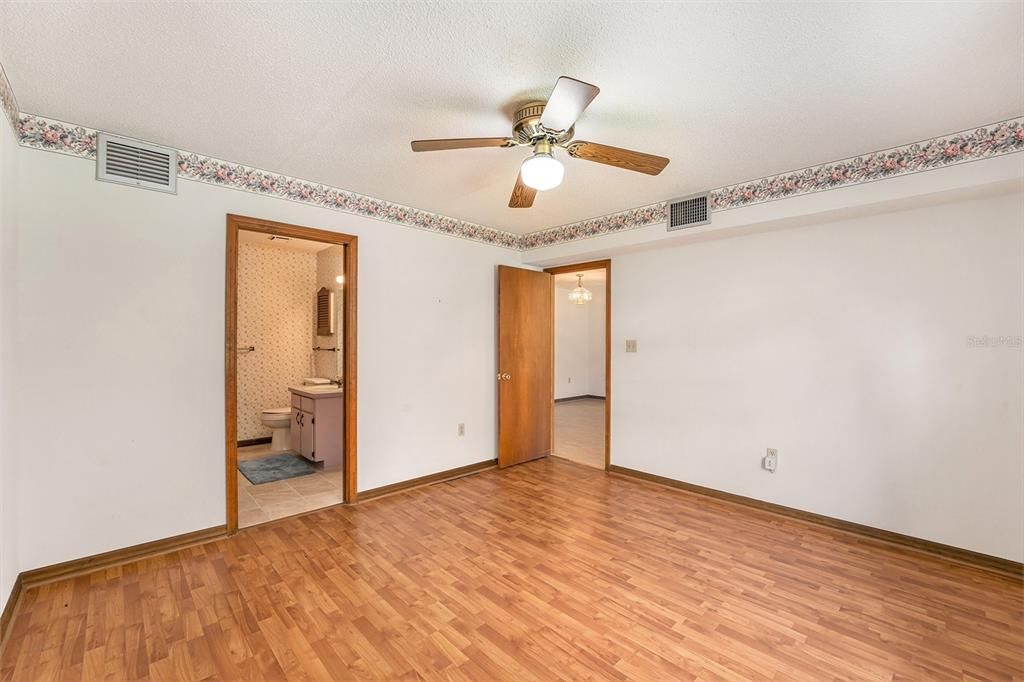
580 295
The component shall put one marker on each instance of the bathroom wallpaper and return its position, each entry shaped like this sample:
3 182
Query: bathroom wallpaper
276 303
330 263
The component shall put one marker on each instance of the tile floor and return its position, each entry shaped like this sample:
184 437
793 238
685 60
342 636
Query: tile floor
269 501
579 431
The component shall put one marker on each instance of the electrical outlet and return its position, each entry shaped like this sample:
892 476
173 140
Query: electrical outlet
630 345
770 462
462 429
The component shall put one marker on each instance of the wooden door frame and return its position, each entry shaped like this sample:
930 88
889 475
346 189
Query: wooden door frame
605 265
350 242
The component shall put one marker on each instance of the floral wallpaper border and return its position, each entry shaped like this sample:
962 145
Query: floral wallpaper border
57 136
7 101
996 139
218 172
595 227
967 145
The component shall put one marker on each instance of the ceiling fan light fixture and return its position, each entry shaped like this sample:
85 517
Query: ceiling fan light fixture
545 125
542 171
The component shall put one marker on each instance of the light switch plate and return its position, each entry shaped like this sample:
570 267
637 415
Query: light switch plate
630 345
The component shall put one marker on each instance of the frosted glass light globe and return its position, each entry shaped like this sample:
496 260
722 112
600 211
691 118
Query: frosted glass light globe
581 295
542 172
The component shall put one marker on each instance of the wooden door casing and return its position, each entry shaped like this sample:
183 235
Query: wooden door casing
235 224
605 265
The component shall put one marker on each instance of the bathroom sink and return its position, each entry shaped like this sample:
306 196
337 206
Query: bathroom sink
332 388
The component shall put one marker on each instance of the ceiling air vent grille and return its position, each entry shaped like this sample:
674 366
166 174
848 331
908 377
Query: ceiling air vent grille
688 211
140 164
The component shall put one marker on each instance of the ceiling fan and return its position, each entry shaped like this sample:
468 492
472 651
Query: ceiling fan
544 126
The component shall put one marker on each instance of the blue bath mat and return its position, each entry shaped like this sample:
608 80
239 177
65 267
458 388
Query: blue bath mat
276 468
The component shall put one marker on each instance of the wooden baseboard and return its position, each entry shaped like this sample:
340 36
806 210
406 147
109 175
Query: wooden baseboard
579 397
963 556
7 615
447 475
96 562
254 441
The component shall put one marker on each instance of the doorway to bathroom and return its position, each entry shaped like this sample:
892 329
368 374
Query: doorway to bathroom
290 370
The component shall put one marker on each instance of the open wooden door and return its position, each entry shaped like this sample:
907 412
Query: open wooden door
525 364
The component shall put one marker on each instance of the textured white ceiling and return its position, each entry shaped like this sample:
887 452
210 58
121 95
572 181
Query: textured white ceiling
334 92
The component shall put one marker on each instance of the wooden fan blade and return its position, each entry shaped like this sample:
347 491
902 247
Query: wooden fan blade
522 196
567 102
460 143
618 157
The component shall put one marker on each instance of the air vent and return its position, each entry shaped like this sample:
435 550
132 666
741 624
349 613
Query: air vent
688 211
140 164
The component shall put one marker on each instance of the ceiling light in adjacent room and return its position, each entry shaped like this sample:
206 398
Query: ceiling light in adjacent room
580 295
340 279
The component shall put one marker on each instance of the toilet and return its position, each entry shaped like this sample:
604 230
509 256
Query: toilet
280 420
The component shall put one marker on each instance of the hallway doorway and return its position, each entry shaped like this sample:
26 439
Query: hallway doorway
580 414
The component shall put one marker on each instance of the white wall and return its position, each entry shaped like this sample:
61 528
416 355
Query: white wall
572 345
596 332
120 323
579 342
8 461
841 344
844 345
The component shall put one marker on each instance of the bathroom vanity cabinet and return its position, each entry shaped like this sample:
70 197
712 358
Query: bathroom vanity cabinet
317 431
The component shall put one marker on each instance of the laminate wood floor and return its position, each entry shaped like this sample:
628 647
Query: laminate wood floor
579 431
543 571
